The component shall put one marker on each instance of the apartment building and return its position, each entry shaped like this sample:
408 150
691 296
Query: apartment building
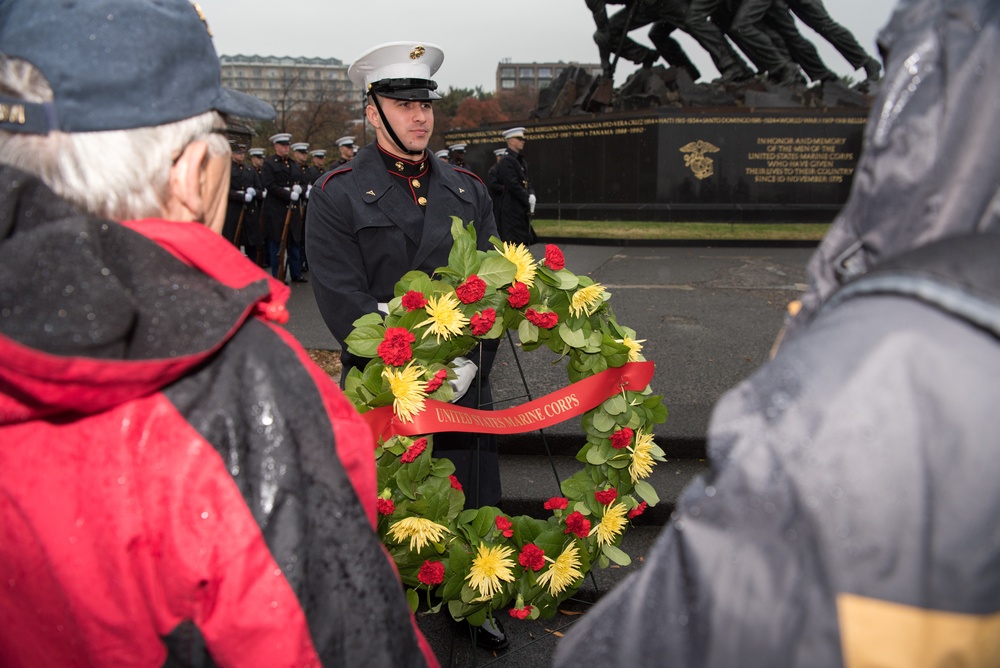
534 75
291 79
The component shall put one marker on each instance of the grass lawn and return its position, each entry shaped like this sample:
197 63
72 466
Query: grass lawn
615 229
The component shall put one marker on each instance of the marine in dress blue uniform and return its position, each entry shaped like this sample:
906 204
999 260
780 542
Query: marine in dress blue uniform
389 211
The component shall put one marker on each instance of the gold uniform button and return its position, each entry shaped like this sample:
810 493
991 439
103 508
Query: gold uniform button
416 183
422 201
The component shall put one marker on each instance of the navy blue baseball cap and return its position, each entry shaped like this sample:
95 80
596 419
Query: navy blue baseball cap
116 65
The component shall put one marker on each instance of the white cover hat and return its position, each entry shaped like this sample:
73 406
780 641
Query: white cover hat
345 141
281 137
400 70
513 132
300 146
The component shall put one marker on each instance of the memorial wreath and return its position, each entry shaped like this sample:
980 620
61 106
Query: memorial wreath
477 561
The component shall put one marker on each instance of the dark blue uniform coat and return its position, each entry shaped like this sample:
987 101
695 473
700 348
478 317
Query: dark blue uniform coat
365 232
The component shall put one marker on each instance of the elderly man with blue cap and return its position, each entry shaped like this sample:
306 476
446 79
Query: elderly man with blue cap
388 212
182 486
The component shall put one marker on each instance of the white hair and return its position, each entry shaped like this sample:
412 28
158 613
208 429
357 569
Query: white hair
117 174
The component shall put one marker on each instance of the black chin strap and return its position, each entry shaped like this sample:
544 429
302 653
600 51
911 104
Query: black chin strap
392 133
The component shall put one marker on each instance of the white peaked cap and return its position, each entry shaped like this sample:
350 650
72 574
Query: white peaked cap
413 61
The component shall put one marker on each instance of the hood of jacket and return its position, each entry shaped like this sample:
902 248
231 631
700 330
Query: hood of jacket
94 313
929 168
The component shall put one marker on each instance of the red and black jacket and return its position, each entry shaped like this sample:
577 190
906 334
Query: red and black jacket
181 485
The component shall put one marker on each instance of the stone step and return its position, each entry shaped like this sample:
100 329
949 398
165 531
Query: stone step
530 480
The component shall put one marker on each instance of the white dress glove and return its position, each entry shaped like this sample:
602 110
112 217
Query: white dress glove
252 192
294 196
297 189
383 308
308 190
465 371
264 196
531 203
248 195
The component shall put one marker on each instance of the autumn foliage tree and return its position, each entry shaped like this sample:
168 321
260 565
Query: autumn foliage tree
473 113
517 104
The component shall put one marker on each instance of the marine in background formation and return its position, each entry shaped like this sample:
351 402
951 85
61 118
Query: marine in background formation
517 203
345 147
256 247
245 196
282 178
456 155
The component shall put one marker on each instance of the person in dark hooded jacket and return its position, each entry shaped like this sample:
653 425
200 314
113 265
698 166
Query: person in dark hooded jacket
849 516
181 486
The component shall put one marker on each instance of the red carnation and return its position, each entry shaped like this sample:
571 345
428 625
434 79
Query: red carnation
556 503
414 300
431 573
504 525
621 438
519 295
413 451
520 613
532 557
472 290
554 259
606 497
455 484
577 525
385 506
483 323
545 320
395 347
638 510
436 382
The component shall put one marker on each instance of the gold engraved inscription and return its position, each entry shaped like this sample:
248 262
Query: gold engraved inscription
800 160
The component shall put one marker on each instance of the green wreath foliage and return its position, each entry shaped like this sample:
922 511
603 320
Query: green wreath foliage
478 561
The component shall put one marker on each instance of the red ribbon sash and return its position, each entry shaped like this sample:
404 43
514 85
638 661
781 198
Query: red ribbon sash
571 401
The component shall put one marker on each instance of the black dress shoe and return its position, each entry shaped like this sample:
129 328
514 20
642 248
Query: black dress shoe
491 635
300 279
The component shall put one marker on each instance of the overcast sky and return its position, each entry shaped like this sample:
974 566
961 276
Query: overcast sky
475 36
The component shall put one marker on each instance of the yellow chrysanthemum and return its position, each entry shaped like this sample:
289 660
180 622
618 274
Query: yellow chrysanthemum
445 318
407 386
586 300
634 348
420 531
642 458
522 259
611 524
491 566
563 572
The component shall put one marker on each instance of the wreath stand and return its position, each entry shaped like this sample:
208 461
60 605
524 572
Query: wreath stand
548 454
